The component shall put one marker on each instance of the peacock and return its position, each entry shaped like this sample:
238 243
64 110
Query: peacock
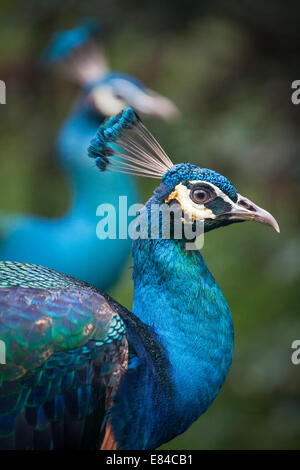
47 241
81 370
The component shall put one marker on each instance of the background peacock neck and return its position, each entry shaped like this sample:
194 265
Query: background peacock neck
175 295
89 188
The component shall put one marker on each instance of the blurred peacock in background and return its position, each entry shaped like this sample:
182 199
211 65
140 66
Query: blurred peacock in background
82 371
69 244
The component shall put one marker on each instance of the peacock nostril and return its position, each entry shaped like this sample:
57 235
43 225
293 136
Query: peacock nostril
244 203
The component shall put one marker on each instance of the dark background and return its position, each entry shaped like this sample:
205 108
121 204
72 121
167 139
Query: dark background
229 68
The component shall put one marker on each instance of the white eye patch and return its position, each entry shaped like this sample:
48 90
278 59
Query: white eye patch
106 102
193 210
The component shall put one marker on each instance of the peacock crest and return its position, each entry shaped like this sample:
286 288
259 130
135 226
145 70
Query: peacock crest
141 154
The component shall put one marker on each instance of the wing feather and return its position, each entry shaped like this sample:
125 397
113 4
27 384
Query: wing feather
66 351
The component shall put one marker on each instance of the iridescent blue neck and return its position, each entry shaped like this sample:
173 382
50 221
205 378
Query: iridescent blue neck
175 295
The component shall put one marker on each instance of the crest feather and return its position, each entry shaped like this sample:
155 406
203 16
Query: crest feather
123 144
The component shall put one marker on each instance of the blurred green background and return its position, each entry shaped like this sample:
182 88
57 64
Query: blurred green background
229 68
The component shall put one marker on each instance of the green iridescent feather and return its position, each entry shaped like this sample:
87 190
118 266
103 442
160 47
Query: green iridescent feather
62 336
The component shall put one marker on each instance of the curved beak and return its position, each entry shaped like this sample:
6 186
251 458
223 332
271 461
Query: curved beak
244 209
112 98
151 103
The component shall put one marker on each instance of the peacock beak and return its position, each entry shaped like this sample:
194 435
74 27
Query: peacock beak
244 209
151 103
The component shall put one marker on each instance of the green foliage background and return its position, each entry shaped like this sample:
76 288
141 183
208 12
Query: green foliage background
229 67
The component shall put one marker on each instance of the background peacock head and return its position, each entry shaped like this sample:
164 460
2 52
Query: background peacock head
113 92
78 56
202 194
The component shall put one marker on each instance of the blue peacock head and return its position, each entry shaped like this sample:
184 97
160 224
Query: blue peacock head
123 144
79 57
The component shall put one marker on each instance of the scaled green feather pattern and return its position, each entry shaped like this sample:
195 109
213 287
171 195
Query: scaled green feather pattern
43 312
27 275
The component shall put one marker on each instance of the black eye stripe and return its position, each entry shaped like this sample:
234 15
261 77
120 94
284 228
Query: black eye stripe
219 206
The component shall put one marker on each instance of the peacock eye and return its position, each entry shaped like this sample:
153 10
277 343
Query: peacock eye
118 96
200 195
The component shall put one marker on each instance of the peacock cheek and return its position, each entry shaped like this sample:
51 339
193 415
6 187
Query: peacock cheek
190 210
219 206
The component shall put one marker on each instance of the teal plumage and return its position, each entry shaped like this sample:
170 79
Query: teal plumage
176 297
56 330
37 320
84 372
66 353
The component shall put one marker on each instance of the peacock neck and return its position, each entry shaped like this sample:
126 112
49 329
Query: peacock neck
177 297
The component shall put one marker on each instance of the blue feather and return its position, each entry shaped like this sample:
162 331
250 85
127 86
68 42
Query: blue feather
107 134
188 172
